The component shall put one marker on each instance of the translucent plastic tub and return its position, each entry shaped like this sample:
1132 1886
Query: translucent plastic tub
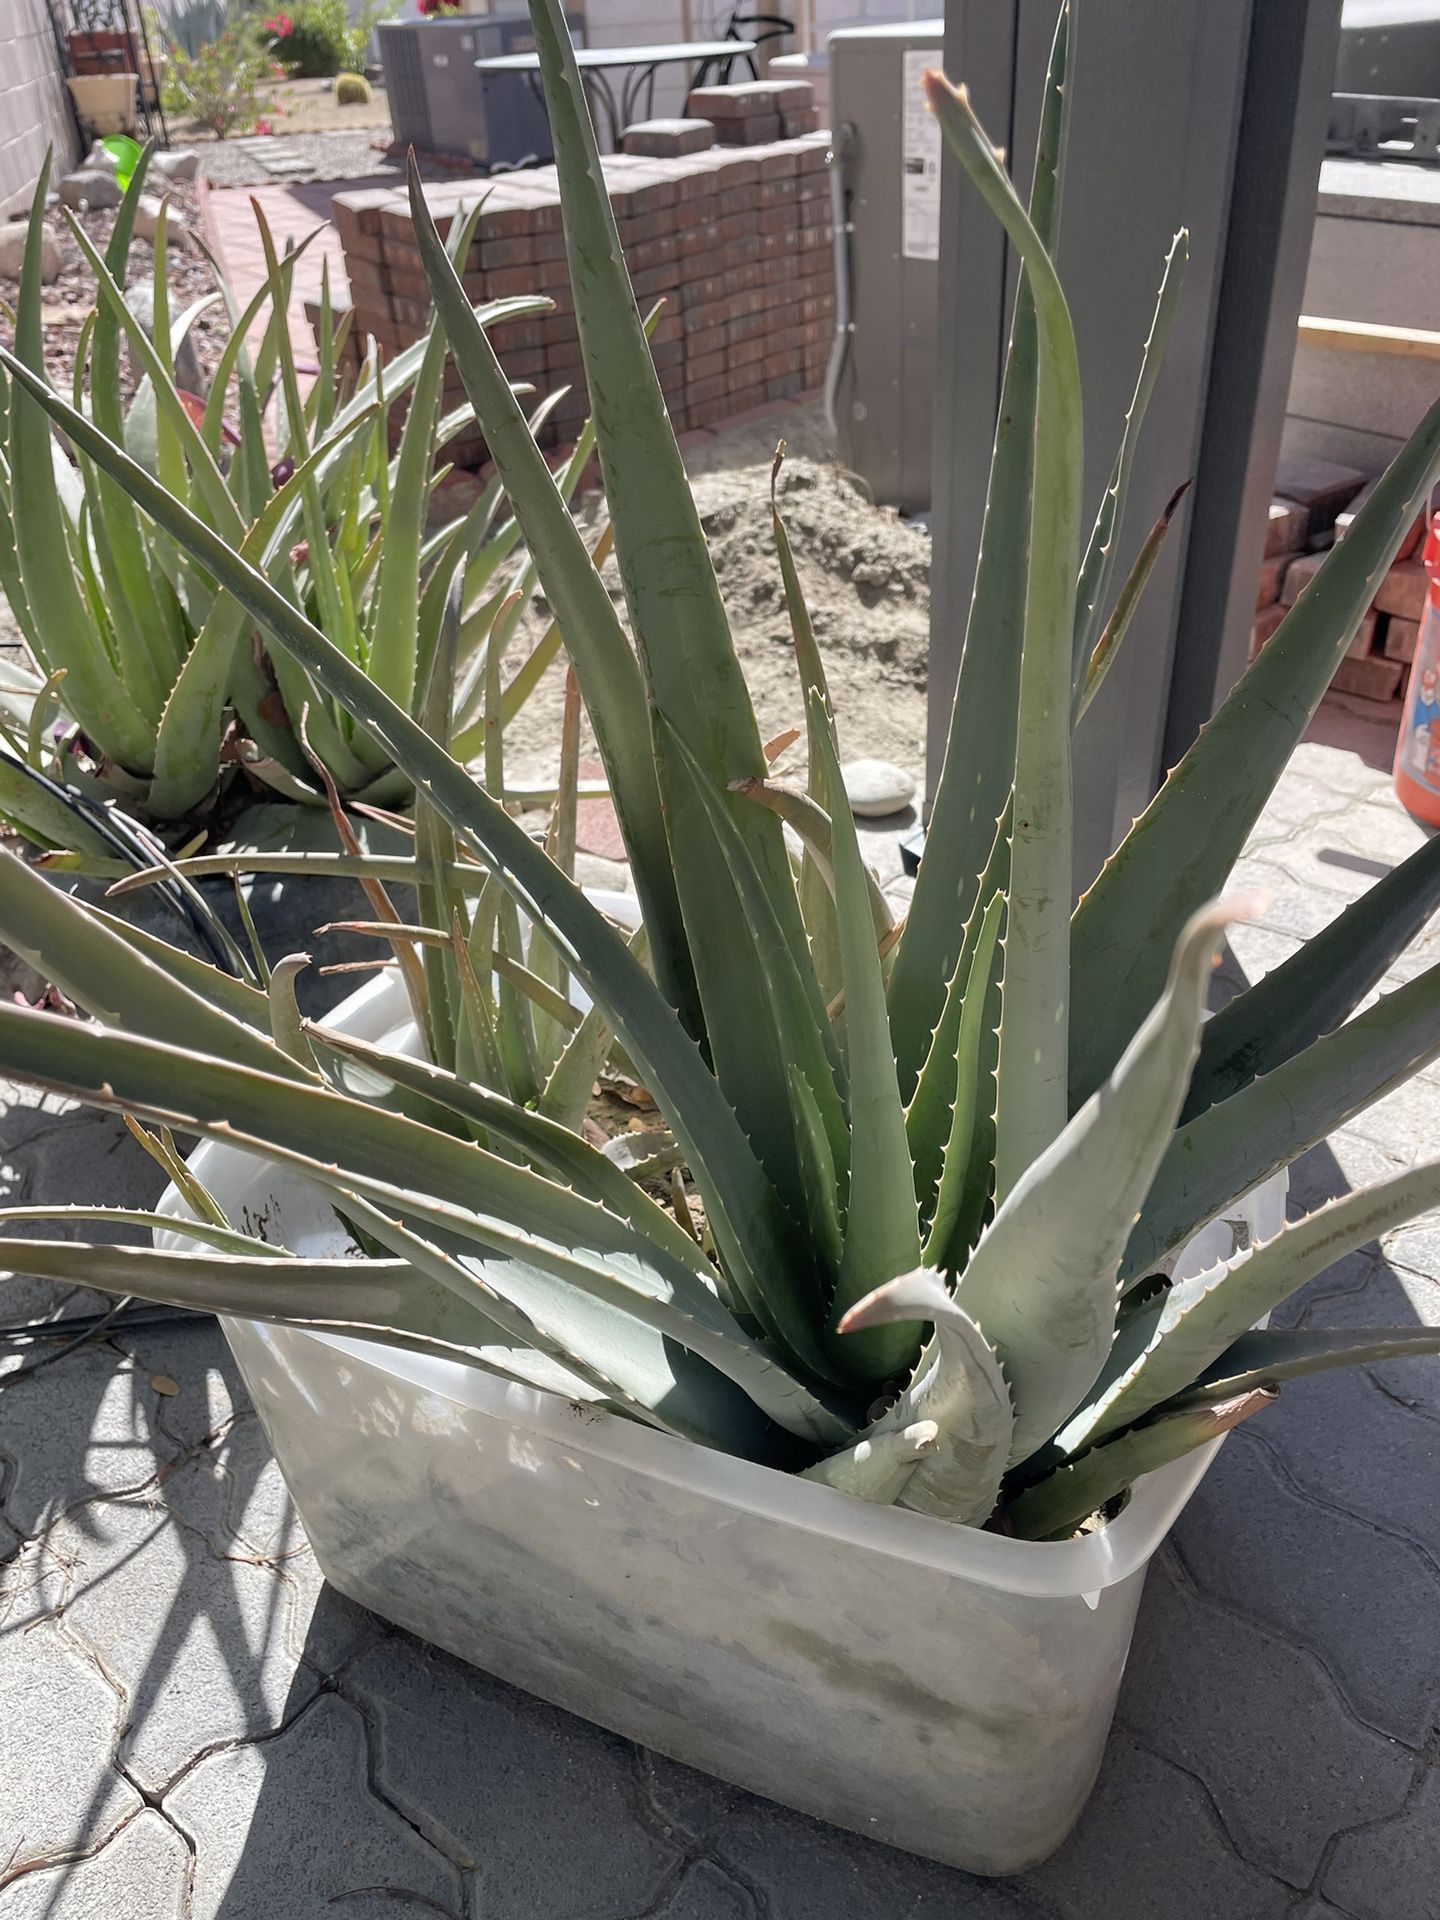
940 1688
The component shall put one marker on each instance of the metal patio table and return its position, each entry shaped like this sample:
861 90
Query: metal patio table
598 64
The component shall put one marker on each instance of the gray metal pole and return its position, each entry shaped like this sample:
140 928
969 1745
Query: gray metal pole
1170 105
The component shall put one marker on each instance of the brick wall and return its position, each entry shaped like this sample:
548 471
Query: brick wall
33 110
737 241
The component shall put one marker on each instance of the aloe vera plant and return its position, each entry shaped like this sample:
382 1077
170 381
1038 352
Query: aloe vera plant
935 1174
151 688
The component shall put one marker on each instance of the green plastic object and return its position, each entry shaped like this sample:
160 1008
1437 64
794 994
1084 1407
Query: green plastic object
125 152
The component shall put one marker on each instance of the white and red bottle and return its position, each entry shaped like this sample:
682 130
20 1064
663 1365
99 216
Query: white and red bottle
1417 751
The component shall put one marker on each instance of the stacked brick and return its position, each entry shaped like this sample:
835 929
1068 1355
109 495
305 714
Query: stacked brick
1315 502
756 111
735 240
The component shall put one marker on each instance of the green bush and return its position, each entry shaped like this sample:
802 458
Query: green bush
321 40
222 86
352 90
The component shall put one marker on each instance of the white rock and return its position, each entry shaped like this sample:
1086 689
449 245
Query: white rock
90 186
13 237
182 165
875 787
99 160
148 209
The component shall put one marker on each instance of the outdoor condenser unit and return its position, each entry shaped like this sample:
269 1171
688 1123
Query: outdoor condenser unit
886 180
439 103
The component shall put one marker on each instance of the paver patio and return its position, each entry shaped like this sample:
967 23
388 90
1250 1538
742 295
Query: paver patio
193 1726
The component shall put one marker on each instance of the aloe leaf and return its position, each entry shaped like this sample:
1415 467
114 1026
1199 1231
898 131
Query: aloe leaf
1183 845
953 1225
567 1089
931 1106
778 982
95 693
435 847
676 613
1269 1356
1097 568
31 808
555 1148
1163 1348
380 1300
188 738
112 979
1230 1148
1042 1281
743 1210
978 770
960 1386
882 1235
1054 1507
604 665
1032 1105
1107 647
809 820
1319 986
392 659
208 1233
877 1469
224 991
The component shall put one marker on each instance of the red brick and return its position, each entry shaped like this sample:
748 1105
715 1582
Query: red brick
669 353
1400 638
1362 641
776 190
715 286
517 333
364 246
1265 624
759 131
1373 679
699 392
743 98
1403 590
634 231
518 251
704 366
1285 532
656 283
742 353
358 211
652 253
1272 573
548 246
364 273
707 341
1320 486
668 139
798 120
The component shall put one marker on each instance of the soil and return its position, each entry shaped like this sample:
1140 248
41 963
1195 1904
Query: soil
865 575
67 302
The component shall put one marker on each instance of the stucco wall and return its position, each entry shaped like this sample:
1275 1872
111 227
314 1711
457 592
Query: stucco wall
33 110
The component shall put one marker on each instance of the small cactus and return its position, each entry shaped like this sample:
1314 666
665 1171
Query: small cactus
352 90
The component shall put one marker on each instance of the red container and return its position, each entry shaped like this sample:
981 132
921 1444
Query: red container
1417 751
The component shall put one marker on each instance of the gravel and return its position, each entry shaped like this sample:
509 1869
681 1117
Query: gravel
352 155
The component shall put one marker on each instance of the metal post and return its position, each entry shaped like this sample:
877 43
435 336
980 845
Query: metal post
1180 107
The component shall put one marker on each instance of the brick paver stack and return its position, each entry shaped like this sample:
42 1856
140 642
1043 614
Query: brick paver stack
736 240
1315 501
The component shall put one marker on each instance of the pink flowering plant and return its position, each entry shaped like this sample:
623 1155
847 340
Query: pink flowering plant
223 85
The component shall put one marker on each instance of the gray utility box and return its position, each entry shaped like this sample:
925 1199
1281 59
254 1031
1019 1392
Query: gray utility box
887 153
440 104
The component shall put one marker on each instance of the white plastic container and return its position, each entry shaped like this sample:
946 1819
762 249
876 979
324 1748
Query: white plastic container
940 1688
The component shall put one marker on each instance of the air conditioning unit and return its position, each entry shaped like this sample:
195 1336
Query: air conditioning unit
440 104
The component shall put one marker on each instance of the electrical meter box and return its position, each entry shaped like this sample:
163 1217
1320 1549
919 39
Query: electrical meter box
887 150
